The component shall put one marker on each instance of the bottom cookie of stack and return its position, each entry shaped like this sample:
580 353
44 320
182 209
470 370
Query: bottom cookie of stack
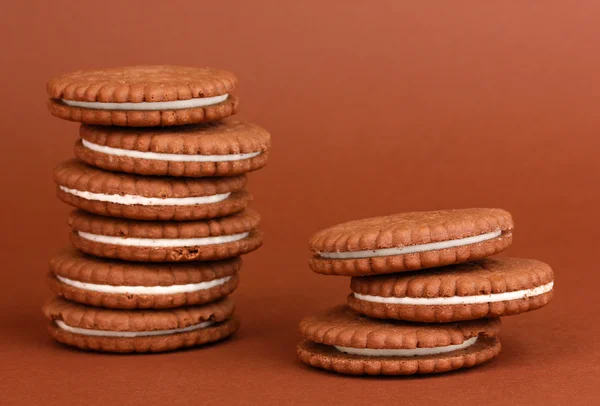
125 331
343 341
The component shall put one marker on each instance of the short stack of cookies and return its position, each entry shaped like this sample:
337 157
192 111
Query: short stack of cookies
426 297
159 183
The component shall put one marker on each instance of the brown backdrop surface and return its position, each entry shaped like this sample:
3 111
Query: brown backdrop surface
375 108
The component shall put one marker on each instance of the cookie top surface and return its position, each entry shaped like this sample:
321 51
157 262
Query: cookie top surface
95 318
215 138
73 264
485 277
340 326
77 176
136 84
241 222
407 229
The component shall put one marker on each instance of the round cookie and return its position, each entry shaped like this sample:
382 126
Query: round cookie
410 241
343 341
491 287
223 148
143 96
148 198
123 331
165 241
129 285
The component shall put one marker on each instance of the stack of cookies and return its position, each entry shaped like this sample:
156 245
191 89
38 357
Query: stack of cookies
160 189
425 296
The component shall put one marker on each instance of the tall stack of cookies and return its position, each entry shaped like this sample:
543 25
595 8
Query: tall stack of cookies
426 297
159 183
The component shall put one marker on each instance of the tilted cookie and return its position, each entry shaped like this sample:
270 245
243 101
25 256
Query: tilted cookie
129 285
143 96
166 241
491 287
122 331
148 197
223 148
343 341
410 241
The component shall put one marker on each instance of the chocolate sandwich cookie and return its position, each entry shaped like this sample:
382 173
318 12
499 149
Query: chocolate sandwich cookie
143 96
148 198
343 341
213 149
488 288
129 285
165 241
110 330
410 241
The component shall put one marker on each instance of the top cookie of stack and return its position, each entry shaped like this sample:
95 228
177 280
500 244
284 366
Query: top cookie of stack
144 96
159 178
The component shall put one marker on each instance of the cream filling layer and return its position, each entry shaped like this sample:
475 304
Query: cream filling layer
144 290
411 248
162 242
458 300
130 334
146 201
149 106
414 352
159 156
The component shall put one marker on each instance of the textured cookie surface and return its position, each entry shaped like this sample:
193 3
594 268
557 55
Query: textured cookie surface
328 358
223 148
331 335
128 285
410 241
90 328
491 287
143 84
344 327
148 198
166 241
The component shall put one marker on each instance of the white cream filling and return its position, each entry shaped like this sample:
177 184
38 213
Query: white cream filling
146 201
458 300
414 352
146 106
129 334
144 290
162 242
159 156
411 248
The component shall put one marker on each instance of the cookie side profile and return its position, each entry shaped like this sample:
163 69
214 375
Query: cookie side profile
410 241
223 148
343 341
148 198
492 287
125 331
164 241
100 282
142 96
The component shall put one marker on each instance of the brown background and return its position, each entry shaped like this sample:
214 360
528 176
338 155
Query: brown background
374 108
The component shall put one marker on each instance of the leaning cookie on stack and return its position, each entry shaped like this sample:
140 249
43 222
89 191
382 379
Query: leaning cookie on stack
162 218
425 296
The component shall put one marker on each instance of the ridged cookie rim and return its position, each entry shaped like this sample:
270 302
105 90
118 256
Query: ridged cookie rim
98 318
360 234
169 140
505 275
328 358
344 327
76 265
243 221
161 343
109 88
69 174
